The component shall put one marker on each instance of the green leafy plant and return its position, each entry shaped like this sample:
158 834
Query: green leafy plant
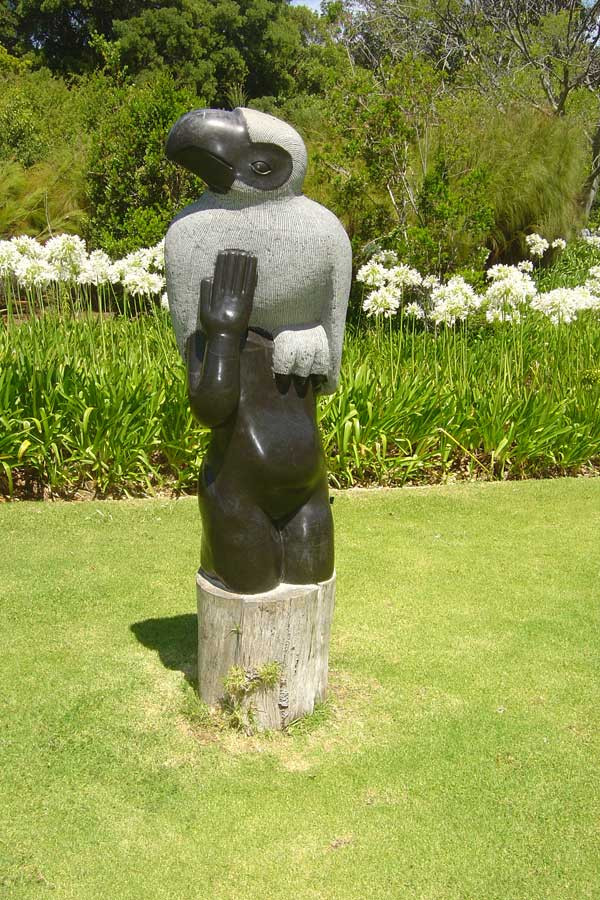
241 685
97 404
133 190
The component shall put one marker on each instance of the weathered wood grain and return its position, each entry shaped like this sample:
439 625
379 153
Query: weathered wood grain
290 625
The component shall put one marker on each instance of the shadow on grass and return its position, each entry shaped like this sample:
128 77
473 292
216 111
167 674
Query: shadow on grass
175 639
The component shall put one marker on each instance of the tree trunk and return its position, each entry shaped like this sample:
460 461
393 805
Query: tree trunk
288 626
592 182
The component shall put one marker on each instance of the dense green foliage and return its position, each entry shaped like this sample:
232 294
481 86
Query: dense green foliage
447 160
439 176
132 188
101 404
208 45
443 158
95 142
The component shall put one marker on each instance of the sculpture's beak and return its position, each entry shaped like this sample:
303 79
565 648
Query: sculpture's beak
208 142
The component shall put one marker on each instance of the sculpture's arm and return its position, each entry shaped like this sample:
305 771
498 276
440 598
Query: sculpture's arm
213 353
334 312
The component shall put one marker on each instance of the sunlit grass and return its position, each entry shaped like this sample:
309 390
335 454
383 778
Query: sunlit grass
456 756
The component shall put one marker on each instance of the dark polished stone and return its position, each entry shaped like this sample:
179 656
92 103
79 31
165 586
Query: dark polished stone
263 491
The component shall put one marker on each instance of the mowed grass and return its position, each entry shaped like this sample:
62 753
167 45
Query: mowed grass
458 755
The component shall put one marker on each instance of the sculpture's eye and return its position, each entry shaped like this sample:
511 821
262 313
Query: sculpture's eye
261 167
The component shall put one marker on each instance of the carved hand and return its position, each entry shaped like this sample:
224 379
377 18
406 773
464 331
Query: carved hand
226 299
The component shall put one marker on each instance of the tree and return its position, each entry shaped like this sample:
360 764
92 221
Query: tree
254 47
132 188
58 32
179 39
8 25
545 51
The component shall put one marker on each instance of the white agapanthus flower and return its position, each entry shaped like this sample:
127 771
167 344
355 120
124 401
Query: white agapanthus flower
383 302
386 258
564 304
594 272
414 311
384 273
452 301
501 271
141 282
140 259
68 254
97 269
32 272
157 255
373 274
430 282
510 291
525 265
537 244
559 244
118 270
164 301
592 239
28 246
403 276
66 259
9 257
592 283
589 296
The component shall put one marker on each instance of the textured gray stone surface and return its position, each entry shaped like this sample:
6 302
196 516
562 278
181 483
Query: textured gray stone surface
304 260
290 624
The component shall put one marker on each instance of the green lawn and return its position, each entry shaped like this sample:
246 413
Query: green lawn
458 756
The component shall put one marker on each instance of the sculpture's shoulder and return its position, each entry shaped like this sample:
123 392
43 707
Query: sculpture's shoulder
329 227
274 227
311 211
187 219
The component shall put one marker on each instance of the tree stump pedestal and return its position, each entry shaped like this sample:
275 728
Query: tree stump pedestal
288 626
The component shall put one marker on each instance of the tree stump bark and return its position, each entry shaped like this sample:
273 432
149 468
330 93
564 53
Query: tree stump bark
289 625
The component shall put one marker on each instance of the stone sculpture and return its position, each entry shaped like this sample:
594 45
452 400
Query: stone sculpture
258 278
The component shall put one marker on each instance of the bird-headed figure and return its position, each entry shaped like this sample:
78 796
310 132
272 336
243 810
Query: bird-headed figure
258 278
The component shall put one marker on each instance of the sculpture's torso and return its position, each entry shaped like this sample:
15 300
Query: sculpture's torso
270 449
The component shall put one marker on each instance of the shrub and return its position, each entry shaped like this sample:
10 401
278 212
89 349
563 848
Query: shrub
413 165
43 198
133 190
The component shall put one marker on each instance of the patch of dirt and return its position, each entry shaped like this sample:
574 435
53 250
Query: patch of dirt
339 842
27 484
385 798
341 723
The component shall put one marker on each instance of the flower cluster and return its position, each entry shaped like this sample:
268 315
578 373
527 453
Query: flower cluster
452 301
538 245
590 238
384 301
510 295
563 304
65 259
389 279
511 289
